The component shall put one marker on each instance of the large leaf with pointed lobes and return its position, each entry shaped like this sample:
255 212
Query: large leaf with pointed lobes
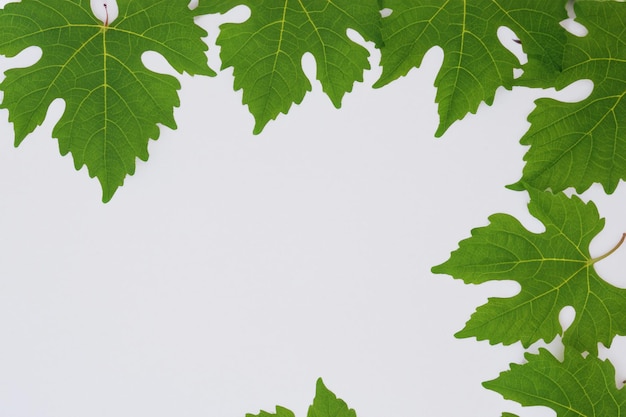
578 144
554 269
475 63
266 50
112 101
576 387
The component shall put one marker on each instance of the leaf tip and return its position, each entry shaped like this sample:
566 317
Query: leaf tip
107 196
518 186
321 389
108 190
441 129
258 128
380 83
464 334
439 269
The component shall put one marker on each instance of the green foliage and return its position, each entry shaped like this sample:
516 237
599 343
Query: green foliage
112 102
554 269
280 412
577 144
576 387
266 50
325 404
113 106
475 64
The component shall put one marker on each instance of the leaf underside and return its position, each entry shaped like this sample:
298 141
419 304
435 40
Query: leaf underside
475 63
573 388
554 269
578 144
113 103
266 50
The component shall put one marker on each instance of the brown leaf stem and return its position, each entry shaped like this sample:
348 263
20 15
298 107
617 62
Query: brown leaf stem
609 253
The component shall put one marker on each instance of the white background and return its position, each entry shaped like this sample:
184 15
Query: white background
231 271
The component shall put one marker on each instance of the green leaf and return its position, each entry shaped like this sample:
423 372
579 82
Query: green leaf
280 412
266 50
326 404
576 387
554 269
475 63
112 102
577 144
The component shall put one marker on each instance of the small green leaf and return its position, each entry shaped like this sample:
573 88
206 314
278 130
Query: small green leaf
554 269
577 144
112 101
280 412
576 387
266 50
326 404
475 63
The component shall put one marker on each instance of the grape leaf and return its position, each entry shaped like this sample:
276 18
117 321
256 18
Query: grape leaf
577 144
112 102
554 269
266 50
325 404
475 63
280 412
576 387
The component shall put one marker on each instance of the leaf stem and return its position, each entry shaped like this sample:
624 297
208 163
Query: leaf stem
609 253
106 11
